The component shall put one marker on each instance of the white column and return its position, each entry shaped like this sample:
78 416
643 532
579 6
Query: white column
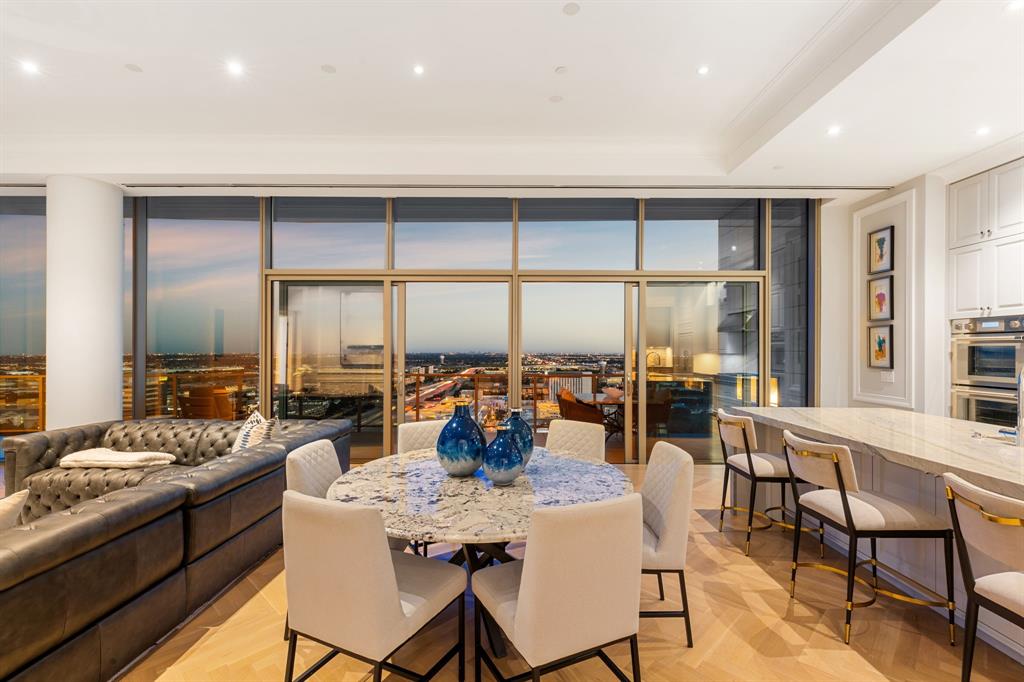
84 294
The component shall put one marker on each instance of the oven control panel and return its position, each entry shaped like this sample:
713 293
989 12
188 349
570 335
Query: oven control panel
988 325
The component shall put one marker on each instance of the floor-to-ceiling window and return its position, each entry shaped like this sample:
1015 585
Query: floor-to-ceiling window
203 306
22 314
128 317
791 276
456 346
313 233
328 356
573 357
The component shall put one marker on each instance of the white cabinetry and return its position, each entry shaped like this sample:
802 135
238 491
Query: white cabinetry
1006 199
968 211
986 241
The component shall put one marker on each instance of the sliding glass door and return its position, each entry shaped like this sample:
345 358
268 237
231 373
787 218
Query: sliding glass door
577 358
451 342
702 352
328 346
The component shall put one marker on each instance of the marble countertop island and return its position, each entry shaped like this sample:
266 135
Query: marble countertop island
928 443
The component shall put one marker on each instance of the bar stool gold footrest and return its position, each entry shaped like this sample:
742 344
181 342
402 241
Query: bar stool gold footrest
760 515
782 523
837 571
938 600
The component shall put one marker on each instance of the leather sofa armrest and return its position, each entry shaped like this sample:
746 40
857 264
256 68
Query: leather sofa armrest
35 547
219 476
34 452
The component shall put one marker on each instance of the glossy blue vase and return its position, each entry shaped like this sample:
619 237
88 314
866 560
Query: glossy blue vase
522 434
503 461
461 445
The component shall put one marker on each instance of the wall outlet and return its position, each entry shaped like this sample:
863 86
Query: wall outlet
888 376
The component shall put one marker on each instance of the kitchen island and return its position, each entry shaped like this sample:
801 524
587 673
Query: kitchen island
903 455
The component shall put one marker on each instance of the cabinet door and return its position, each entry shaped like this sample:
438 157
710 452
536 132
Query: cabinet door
968 211
1006 199
968 281
1006 269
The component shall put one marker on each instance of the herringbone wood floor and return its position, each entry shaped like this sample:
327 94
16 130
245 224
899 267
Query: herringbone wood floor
745 625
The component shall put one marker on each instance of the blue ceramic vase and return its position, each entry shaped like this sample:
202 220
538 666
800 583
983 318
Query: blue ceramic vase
503 461
461 445
522 434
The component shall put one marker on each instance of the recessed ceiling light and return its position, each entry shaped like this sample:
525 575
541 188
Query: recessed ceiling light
418 69
733 247
235 67
703 70
555 99
777 167
1015 6
29 67
328 68
571 8
560 70
983 130
134 68
834 130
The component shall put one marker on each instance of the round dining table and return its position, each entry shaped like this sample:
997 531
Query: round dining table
420 502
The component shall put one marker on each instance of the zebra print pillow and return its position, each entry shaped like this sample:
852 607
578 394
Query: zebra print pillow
254 431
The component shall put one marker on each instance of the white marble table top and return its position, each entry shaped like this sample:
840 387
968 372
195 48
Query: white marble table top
928 443
420 501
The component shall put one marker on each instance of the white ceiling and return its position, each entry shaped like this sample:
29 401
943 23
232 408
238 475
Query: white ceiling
908 82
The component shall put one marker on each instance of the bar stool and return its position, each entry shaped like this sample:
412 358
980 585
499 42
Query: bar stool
993 525
841 504
757 467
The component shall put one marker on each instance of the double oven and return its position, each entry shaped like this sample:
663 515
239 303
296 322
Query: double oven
987 355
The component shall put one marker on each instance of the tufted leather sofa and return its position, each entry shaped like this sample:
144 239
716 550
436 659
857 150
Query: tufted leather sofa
105 562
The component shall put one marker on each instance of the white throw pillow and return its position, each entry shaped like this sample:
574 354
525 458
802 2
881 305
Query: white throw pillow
10 509
254 431
105 458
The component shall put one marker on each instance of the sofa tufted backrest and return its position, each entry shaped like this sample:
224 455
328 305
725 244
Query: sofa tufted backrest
178 437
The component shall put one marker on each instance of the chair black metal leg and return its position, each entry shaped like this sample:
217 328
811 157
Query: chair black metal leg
874 562
796 551
462 637
477 626
536 674
782 512
634 654
661 588
287 631
378 670
725 489
851 568
948 546
686 609
289 665
750 515
970 633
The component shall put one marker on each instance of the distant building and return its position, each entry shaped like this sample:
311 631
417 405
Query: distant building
577 384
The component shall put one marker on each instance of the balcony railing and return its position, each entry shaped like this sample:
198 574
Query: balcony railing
22 403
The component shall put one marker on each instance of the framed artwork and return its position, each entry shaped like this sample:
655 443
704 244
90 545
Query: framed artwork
880 298
880 250
880 347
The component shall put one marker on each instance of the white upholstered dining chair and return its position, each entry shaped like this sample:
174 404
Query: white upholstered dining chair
310 469
992 525
349 592
418 435
558 606
667 500
578 439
